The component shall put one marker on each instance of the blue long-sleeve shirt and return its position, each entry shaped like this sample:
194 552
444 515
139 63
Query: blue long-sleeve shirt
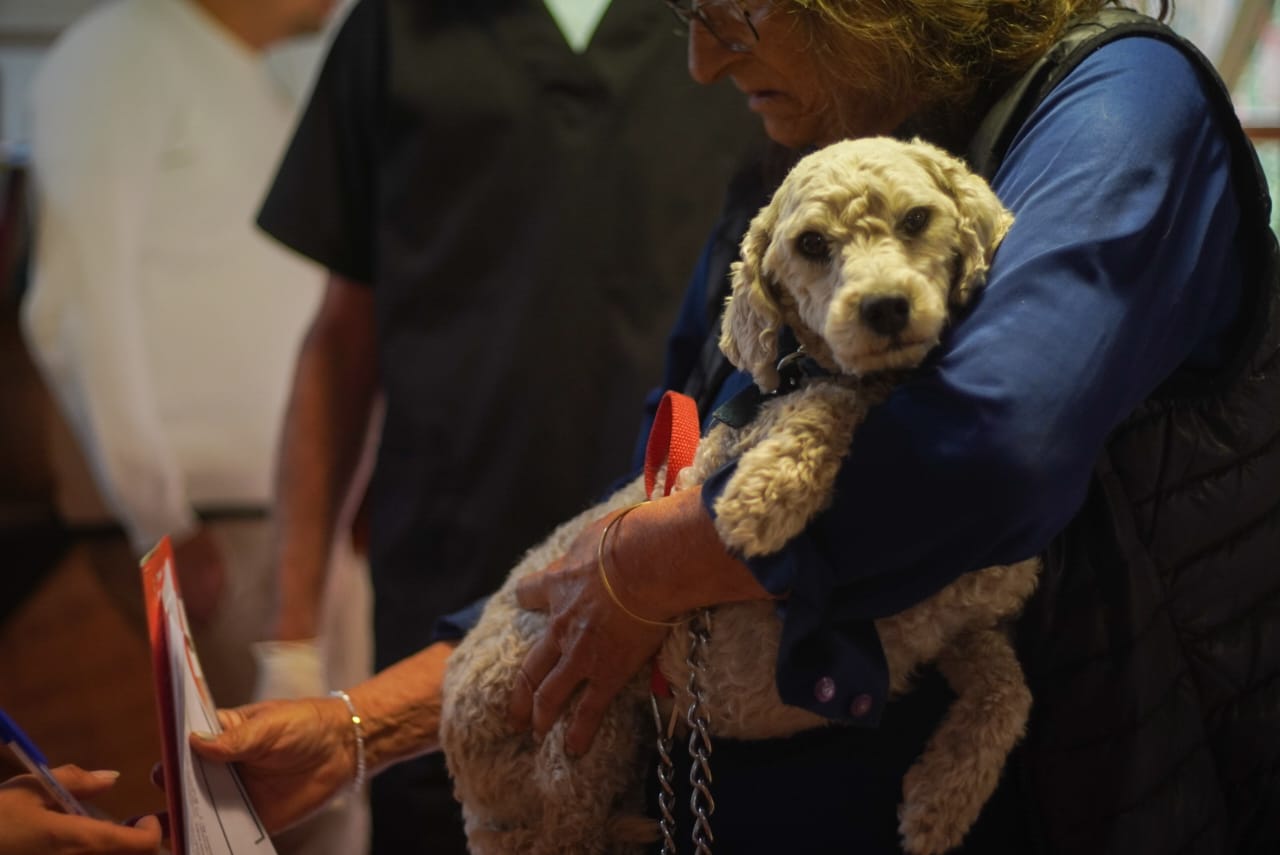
1120 267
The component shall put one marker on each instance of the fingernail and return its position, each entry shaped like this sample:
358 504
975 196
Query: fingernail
106 774
205 735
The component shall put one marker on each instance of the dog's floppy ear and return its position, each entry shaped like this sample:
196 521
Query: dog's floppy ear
749 333
984 221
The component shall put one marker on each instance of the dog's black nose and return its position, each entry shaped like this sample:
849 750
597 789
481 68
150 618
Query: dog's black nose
886 315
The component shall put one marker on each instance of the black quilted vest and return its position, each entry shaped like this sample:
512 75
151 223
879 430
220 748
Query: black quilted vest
1153 644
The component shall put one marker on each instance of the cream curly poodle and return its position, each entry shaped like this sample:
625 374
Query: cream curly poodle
863 253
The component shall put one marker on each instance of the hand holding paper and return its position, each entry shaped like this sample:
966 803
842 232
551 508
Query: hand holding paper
291 755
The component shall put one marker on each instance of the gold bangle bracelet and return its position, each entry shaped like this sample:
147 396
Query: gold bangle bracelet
604 576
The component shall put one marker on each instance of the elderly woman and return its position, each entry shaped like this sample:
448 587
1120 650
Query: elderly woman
1107 403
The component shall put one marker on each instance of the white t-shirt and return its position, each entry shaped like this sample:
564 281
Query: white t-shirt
577 19
166 324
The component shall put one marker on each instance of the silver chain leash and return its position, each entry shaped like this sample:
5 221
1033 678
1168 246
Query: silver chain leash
701 803
666 770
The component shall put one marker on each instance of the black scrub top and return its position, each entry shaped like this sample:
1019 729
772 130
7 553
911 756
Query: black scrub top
527 217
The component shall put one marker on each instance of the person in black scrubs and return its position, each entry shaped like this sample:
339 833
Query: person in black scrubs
509 222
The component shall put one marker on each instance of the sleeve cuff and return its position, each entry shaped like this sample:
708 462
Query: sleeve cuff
776 573
838 672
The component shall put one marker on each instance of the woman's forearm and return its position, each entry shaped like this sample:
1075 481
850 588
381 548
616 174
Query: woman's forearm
400 707
665 558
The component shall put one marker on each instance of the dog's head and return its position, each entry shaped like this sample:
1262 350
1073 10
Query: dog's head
863 251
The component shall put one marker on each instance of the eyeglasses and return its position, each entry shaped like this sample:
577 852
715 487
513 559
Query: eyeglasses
727 20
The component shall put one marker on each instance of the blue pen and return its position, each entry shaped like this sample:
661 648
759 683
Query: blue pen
25 750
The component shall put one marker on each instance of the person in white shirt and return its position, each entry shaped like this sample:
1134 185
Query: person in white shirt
165 324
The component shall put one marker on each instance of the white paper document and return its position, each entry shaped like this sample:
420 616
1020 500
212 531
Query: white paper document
210 812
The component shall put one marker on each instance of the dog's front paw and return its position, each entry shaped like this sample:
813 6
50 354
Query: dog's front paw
786 476
929 823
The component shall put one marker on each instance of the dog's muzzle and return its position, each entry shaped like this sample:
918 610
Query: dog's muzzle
885 314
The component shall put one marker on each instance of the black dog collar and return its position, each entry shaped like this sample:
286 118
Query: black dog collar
793 369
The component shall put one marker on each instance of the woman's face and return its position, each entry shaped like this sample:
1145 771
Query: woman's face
784 84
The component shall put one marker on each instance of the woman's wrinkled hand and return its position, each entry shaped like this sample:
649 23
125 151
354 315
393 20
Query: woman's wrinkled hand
31 824
590 643
292 756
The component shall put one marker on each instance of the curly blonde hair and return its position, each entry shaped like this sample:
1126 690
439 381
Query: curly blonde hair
937 50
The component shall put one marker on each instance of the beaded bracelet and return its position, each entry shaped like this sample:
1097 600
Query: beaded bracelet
358 725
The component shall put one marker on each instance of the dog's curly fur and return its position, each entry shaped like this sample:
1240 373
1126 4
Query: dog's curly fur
863 253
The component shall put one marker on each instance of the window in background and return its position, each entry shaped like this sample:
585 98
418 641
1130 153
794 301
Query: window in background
1257 97
1242 38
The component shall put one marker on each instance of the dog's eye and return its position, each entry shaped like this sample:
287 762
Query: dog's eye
915 221
812 246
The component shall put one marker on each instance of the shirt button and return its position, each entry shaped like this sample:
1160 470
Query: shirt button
824 690
861 706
